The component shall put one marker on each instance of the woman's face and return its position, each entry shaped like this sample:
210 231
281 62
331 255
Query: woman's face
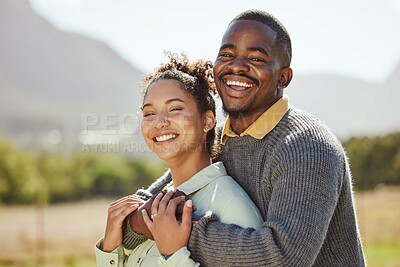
172 126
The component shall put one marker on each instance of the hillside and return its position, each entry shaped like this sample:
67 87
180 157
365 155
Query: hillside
349 106
50 79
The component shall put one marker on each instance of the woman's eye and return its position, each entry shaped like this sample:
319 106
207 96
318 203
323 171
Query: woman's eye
175 109
148 114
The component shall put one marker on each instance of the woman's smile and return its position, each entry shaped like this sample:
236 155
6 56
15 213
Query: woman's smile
165 137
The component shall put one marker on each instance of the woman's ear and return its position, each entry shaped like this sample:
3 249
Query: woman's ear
208 120
285 76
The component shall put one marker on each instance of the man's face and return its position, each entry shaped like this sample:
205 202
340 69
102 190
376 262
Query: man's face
246 70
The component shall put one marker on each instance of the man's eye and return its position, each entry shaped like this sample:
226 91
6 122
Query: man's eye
225 55
257 59
175 109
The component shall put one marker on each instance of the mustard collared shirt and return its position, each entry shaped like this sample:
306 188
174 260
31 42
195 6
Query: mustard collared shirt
263 125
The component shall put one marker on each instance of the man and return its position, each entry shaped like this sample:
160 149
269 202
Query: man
289 163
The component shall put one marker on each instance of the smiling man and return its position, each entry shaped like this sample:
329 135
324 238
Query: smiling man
249 71
291 165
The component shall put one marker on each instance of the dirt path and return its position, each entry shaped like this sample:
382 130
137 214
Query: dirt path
56 230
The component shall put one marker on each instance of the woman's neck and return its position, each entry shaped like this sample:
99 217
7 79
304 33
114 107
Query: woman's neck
184 168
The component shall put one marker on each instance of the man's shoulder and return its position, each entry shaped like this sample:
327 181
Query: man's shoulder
300 122
301 117
301 128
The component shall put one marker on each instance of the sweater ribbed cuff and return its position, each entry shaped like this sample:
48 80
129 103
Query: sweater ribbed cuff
131 238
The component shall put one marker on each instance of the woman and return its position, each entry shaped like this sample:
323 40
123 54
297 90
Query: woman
179 126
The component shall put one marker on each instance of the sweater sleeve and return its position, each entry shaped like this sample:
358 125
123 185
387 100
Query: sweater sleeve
155 187
131 239
306 180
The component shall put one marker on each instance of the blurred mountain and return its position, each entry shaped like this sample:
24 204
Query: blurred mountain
394 78
349 106
53 82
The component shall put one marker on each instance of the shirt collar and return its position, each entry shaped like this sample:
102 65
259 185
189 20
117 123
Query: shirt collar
263 125
201 179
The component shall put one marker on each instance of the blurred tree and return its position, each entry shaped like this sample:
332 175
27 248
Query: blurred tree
55 169
147 171
112 176
19 180
374 160
49 177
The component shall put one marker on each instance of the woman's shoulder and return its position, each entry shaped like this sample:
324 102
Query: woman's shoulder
227 189
232 204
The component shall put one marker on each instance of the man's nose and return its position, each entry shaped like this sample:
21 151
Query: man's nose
239 65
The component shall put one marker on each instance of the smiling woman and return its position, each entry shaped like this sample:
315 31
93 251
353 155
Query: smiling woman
176 109
172 125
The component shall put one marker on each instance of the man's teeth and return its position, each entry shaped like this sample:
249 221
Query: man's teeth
241 84
165 137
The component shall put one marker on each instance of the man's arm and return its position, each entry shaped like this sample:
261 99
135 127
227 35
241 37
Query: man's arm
132 238
302 203
155 187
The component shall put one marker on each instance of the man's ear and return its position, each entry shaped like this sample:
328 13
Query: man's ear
285 76
208 120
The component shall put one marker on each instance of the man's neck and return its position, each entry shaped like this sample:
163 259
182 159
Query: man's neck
240 124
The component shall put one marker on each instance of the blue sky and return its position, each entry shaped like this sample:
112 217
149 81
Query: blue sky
354 38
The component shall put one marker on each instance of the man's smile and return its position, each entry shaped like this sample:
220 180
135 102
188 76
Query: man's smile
238 84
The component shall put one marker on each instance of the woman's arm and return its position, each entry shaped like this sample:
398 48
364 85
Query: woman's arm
107 259
109 250
117 212
171 235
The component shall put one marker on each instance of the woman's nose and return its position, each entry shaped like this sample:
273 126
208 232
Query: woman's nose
161 121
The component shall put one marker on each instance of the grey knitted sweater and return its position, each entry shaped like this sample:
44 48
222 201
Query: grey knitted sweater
299 177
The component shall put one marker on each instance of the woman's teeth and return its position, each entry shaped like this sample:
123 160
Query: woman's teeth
165 137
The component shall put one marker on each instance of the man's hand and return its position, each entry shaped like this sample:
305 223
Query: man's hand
117 212
169 233
137 223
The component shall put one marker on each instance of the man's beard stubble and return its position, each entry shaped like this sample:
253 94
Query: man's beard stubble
235 114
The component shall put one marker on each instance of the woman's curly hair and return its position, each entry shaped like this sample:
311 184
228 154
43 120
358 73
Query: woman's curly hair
196 78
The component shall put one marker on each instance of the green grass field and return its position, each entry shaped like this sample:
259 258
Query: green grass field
63 235
379 215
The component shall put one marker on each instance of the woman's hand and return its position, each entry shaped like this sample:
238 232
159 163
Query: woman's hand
170 234
117 212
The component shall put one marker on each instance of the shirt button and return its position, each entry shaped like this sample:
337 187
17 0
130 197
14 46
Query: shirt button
112 262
